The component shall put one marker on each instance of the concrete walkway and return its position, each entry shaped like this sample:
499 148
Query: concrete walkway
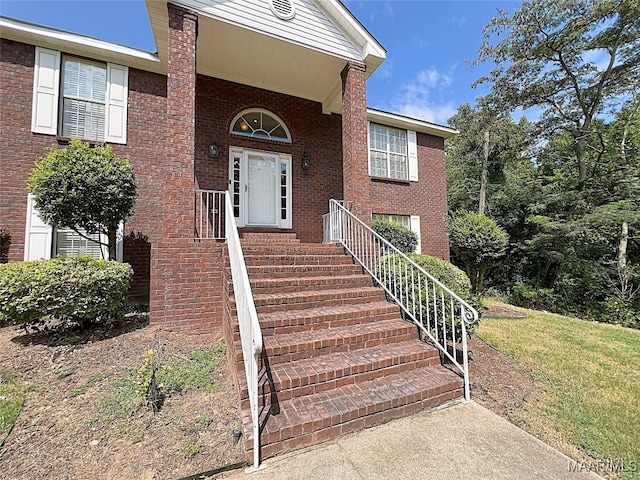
461 441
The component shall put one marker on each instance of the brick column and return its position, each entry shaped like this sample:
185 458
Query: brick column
185 277
355 157
179 200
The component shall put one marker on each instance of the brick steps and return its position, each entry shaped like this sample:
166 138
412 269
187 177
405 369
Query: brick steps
274 302
289 321
304 259
337 356
288 271
315 375
310 419
288 285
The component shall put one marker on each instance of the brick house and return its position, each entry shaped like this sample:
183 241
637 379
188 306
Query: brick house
265 98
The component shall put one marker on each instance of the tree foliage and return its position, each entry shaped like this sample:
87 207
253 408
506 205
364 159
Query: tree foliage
478 242
84 188
573 59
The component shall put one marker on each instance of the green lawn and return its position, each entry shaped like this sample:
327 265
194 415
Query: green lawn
588 384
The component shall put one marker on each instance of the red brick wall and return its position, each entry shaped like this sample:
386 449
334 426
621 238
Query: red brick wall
426 198
219 101
186 286
20 149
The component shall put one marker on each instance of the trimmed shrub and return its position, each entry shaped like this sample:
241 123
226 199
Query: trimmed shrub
478 242
70 289
395 273
5 241
400 237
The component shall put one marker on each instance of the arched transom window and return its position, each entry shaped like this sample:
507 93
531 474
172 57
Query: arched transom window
260 124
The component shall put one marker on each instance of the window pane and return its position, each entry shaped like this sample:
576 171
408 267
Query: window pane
259 124
379 164
83 119
398 167
70 244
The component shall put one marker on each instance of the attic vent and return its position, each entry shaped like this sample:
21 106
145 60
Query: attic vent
282 8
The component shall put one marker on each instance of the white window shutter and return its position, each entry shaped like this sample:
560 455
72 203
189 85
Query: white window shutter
415 227
117 92
38 234
412 147
46 88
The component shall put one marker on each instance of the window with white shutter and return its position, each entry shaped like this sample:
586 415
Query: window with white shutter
393 153
80 98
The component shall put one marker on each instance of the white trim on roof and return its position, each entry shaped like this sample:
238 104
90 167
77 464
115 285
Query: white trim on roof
39 35
401 121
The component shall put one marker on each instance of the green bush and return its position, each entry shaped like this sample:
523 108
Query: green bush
69 289
400 237
5 241
534 298
478 242
393 270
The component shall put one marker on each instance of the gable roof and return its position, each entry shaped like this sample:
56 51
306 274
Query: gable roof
245 41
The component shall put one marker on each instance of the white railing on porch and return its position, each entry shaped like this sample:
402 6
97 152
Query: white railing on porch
250 333
209 218
437 311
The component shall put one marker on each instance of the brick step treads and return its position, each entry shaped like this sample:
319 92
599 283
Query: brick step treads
283 285
288 271
315 418
292 249
273 302
298 345
315 375
289 321
252 260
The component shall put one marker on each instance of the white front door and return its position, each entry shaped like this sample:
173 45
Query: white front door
260 183
262 189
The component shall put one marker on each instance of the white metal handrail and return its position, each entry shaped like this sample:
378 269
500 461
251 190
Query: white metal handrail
439 313
209 220
250 333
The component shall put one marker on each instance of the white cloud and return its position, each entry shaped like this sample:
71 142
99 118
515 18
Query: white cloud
416 97
431 113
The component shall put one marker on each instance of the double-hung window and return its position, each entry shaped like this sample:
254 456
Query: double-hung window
76 97
388 152
392 153
84 93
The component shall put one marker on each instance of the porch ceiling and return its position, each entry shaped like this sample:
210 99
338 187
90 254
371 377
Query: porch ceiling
247 56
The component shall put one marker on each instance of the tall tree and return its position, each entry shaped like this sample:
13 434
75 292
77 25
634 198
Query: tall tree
573 59
476 157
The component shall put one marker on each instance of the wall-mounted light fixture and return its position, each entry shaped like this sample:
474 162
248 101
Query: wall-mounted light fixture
214 149
306 161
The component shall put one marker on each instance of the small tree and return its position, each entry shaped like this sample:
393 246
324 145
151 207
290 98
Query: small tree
84 188
478 242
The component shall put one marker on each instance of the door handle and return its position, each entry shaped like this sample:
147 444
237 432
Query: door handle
246 188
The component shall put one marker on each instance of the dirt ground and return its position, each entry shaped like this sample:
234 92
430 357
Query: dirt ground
57 436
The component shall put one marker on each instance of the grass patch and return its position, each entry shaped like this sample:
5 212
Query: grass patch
190 449
193 372
82 389
589 374
12 395
174 375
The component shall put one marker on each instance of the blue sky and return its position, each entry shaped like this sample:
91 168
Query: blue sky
428 43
